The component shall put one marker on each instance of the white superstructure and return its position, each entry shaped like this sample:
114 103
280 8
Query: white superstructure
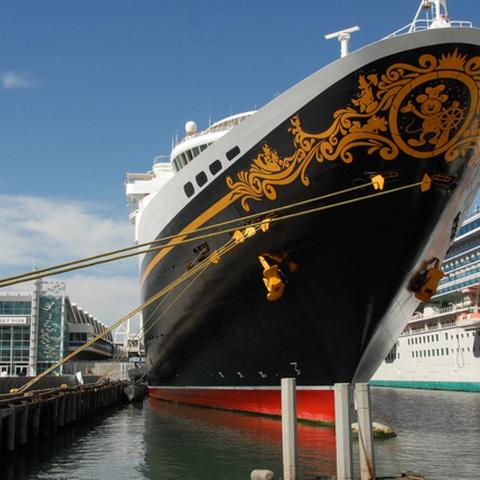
141 188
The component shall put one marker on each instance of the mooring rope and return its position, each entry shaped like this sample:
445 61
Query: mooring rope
80 264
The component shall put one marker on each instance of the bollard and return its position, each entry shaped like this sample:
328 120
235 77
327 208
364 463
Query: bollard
289 428
36 420
23 423
262 475
343 431
10 431
365 436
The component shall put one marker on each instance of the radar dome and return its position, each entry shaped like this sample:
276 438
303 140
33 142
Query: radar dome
190 127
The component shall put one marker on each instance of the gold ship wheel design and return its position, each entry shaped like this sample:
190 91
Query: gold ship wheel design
423 111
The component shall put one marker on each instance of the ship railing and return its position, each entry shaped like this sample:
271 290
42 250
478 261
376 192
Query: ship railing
424 24
438 311
134 177
215 128
161 159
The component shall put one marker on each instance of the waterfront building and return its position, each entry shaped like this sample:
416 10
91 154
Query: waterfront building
39 327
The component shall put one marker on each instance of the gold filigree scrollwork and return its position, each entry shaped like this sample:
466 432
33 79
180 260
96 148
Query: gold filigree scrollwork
422 110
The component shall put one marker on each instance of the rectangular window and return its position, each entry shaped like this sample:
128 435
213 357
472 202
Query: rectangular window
10 307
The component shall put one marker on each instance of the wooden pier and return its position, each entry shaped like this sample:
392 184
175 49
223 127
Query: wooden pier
41 413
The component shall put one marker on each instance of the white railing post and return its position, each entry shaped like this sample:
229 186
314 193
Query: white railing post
289 428
343 431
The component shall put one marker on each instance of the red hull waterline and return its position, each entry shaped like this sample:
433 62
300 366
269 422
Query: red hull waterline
313 403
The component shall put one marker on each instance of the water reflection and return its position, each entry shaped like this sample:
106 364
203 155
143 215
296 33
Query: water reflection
97 448
437 437
202 443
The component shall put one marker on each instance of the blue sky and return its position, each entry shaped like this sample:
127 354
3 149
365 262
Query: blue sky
92 89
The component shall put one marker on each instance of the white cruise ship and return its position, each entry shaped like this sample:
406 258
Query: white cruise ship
440 346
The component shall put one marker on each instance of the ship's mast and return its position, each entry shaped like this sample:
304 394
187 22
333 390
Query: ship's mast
436 14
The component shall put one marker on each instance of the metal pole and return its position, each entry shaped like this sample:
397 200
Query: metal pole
343 431
289 428
365 434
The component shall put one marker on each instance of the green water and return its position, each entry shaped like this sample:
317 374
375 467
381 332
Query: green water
438 436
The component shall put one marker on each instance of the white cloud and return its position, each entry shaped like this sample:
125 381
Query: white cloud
106 297
11 80
41 232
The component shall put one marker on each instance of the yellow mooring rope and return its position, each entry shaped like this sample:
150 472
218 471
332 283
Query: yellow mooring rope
214 257
80 264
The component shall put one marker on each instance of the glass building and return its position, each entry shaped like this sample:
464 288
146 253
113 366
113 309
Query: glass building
35 330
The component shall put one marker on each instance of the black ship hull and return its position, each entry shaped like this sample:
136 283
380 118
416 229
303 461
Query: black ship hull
404 116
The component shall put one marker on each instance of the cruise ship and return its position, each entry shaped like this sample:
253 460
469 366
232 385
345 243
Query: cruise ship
440 346
338 200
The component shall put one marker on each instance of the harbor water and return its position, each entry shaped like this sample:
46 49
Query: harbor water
438 436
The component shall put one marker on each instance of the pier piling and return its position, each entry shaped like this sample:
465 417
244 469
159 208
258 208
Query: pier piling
22 423
289 428
343 431
10 430
40 413
36 419
365 434
61 411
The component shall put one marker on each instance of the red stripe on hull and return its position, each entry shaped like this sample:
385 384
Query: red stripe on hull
314 405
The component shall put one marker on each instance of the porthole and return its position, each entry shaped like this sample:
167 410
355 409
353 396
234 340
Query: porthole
201 179
231 154
215 167
189 189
